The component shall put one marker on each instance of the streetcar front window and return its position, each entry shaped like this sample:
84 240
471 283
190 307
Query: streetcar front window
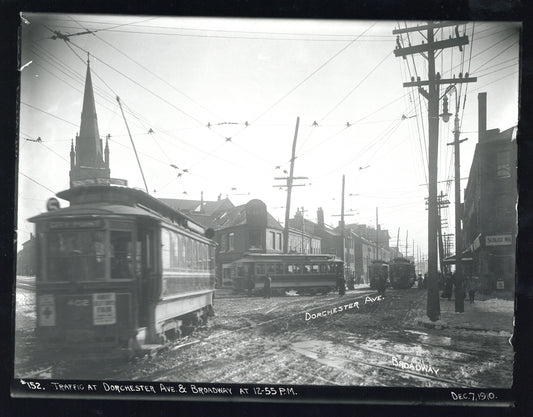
76 255
121 254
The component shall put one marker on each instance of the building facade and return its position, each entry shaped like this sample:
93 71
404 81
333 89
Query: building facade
490 214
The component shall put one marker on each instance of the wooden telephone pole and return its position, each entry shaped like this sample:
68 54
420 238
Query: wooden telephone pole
432 95
289 186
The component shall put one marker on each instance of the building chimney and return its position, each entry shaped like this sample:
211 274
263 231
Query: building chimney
482 115
320 217
201 202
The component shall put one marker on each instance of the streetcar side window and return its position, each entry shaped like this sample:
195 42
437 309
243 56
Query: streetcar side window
121 254
271 269
165 248
279 269
306 269
260 269
315 268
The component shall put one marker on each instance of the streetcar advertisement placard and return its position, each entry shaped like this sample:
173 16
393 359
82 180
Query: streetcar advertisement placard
104 309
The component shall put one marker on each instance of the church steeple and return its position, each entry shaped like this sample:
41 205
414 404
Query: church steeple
89 155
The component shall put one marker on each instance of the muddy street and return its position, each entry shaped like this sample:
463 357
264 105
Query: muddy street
359 339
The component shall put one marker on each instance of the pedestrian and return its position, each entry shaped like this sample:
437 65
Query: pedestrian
471 286
341 285
381 284
251 285
420 282
267 287
448 286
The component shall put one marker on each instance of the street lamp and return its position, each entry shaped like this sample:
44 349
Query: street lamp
459 290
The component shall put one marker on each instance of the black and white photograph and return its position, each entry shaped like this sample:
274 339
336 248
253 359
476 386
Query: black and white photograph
243 207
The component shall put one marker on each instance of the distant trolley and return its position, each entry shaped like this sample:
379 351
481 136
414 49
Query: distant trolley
378 270
402 273
120 268
304 274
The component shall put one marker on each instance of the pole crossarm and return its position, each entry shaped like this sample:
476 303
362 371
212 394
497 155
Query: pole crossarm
426 47
453 143
294 178
426 27
441 81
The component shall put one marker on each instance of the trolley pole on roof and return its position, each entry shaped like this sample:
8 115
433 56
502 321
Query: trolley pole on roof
428 49
133 144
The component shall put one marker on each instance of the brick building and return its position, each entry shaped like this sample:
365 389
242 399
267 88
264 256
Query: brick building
490 215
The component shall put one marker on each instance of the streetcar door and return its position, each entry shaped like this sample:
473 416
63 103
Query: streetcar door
147 272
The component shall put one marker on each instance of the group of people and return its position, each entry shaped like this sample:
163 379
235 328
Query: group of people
470 285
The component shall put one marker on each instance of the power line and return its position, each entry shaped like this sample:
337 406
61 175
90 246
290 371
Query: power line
36 182
49 114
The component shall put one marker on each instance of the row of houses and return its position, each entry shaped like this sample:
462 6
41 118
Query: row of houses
250 228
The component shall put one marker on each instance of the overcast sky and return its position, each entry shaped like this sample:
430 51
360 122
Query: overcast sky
177 75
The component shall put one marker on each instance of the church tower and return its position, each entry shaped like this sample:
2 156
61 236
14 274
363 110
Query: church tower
89 162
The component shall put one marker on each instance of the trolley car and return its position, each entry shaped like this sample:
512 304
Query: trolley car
305 274
120 268
378 271
402 273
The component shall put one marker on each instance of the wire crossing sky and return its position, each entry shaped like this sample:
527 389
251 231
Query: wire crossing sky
212 107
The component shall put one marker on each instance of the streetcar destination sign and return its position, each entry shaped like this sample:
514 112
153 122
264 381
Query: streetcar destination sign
75 224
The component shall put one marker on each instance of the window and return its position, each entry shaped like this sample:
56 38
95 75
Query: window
279 242
279 269
503 167
76 255
223 242
121 254
165 248
260 269
307 269
314 268
231 241
255 239
272 240
271 269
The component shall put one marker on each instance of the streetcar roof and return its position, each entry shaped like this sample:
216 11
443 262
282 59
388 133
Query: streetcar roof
107 200
280 257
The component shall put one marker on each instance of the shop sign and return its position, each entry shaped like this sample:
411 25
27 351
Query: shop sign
498 240
104 309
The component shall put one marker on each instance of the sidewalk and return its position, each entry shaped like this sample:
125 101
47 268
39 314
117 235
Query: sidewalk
487 314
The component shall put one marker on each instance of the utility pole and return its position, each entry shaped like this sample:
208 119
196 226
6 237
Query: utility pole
406 244
432 95
459 288
303 211
377 235
398 242
289 186
342 225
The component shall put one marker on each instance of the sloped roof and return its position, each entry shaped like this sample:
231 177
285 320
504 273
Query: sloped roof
209 207
237 217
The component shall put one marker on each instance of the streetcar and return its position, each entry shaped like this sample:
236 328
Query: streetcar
402 273
304 274
378 271
120 268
